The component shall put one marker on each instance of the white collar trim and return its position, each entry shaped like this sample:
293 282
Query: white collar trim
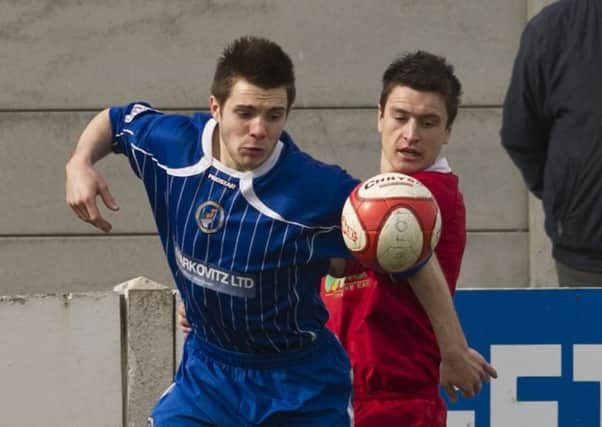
441 165
207 144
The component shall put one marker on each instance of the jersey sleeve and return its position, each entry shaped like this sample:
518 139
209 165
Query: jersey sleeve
329 207
131 125
146 135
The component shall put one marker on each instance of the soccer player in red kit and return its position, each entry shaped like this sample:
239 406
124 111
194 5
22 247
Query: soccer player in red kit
378 318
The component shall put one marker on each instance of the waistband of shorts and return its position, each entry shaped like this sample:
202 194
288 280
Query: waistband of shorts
323 340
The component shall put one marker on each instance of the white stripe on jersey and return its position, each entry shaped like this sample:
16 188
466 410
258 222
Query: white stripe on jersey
265 252
276 287
296 304
245 270
247 190
244 215
261 312
155 201
196 169
219 300
136 161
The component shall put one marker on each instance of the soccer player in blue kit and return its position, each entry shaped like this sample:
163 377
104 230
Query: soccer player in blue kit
249 224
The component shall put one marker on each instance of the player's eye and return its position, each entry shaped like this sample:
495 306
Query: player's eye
429 123
244 113
275 115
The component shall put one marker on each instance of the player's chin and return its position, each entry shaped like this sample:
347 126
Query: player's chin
408 167
252 162
256 153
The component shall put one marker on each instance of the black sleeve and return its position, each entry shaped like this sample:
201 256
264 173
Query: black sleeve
525 123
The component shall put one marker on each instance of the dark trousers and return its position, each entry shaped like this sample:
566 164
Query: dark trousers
570 277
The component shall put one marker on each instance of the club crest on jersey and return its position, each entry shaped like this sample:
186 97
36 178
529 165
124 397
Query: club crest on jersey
210 217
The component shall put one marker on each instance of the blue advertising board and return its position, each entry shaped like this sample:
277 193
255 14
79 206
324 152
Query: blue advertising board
547 347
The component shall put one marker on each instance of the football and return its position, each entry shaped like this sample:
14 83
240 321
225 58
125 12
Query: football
390 222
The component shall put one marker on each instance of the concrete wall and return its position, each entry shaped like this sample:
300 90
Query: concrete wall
97 359
64 60
60 360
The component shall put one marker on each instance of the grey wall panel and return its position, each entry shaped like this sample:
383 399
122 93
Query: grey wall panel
495 260
33 150
34 147
345 137
38 265
74 54
495 195
535 6
542 266
45 265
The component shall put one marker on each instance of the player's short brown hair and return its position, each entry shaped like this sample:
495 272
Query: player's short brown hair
257 60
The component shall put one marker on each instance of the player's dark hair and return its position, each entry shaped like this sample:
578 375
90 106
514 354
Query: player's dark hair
424 72
260 62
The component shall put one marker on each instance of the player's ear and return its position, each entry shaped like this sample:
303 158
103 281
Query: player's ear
447 135
379 118
289 109
214 107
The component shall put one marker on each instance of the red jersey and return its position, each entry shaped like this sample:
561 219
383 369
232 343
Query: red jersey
382 325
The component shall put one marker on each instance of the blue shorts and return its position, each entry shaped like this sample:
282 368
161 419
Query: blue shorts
215 387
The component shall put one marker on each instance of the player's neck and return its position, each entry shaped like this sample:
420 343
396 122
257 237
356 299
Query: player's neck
215 144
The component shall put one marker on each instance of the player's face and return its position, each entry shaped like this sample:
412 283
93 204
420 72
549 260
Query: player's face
413 128
250 123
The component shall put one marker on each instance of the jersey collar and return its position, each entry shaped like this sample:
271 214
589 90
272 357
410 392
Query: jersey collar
207 146
441 166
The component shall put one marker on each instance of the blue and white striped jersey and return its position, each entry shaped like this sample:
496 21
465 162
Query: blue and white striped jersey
247 249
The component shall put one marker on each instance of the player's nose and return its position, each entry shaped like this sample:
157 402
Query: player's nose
411 131
258 128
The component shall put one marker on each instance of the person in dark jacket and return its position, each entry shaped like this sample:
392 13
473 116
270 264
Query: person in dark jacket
552 130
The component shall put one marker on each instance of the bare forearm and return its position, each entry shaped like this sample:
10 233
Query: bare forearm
95 141
83 183
462 368
430 287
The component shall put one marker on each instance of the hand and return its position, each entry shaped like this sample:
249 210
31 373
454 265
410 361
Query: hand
465 371
337 267
182 319
83 185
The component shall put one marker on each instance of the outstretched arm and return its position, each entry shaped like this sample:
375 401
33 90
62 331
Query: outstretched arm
83 182
462 367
